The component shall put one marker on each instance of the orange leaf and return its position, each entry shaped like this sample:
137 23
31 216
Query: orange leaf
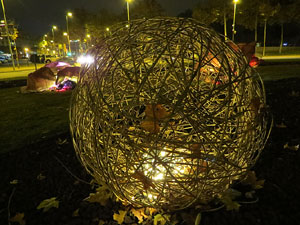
156 111
18 218
145 180
150 126
255 105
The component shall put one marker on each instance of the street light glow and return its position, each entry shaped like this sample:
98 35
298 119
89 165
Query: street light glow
69 14
235 1
54 27
65 34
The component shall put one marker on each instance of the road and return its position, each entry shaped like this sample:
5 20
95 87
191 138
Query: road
7 72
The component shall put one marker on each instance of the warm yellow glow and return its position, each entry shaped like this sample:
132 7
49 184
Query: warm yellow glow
235 1
128 1
45 35
69 14
53 51
127 25
88 35
107 28
54 27
2 21
65 34
26 49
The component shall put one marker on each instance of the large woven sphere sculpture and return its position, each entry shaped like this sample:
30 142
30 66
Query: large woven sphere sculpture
168 114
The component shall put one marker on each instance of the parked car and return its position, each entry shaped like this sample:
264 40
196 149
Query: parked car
49 58
3 59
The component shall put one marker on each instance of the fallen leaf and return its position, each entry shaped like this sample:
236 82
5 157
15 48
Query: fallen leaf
251 179
48 204
14 182
255 105
151 211
156 111
101 196
294 147
40 177
119 217
161 219
18 218
139 214
147 182
151 126
101 222
75 213
230 204
281 125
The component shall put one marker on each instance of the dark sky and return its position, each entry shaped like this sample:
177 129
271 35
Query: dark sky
37 16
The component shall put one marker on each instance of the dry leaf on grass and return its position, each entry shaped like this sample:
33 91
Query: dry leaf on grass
48 204
119 217
18 218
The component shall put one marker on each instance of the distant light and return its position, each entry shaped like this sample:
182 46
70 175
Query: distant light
69 14
85 59
54 27
235 1
65 34
88 35
69 54
107 28
285 44
2 21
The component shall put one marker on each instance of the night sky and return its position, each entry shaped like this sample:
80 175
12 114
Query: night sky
37 16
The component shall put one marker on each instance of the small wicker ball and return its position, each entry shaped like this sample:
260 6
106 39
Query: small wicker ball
168 114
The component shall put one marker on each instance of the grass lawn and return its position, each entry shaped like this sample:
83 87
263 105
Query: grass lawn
280 71
28 118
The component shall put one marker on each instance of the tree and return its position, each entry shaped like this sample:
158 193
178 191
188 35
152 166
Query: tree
267 11
146 9
213 11
249 10
288 12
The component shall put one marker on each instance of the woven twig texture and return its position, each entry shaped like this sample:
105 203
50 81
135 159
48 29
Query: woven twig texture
168 114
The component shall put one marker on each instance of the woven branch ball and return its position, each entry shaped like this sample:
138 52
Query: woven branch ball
168 114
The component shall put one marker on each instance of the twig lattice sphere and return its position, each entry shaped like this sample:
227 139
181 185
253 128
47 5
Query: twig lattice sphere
168 114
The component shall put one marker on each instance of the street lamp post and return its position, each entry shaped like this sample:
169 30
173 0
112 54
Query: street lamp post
69 14
53 28
233 23
128 17
66 34
8 38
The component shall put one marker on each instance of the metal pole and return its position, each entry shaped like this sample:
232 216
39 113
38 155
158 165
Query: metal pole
17 55
68 33
128 12
233 24
8 39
